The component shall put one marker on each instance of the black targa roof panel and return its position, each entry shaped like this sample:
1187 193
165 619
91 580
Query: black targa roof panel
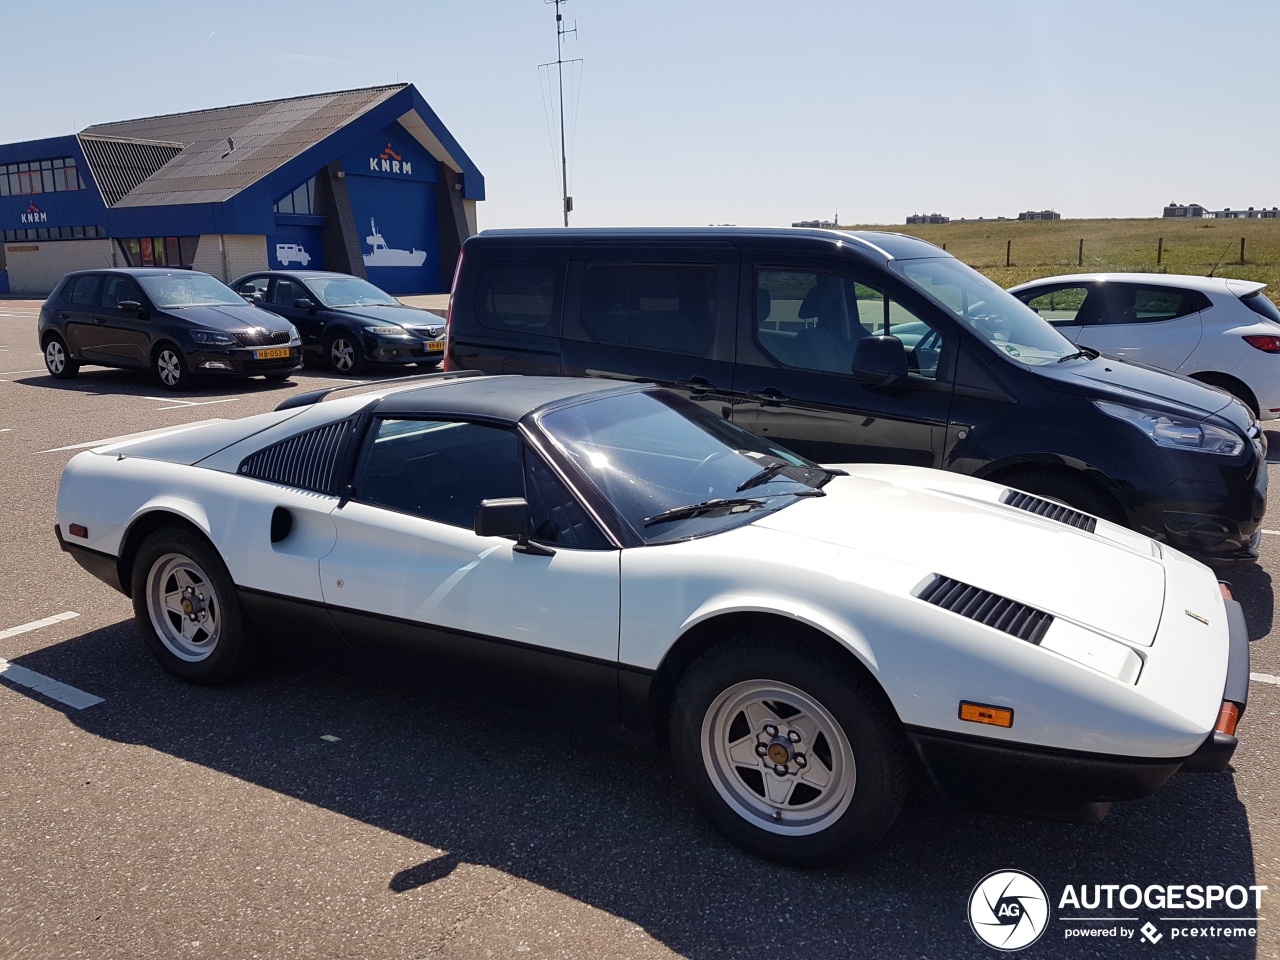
502 399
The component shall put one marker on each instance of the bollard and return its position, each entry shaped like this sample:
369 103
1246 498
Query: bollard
1008 246
1080 257
1160 252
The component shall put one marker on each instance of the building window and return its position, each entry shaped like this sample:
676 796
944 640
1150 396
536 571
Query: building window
158 251
300 201
40 176
56 233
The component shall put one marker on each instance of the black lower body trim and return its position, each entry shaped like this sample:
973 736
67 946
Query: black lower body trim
102 565
979 771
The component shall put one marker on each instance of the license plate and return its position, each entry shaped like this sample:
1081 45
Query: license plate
434 345
274 353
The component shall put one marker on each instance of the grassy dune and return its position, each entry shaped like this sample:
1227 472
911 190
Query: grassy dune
1044 248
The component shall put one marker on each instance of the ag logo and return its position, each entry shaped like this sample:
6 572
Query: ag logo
1008 910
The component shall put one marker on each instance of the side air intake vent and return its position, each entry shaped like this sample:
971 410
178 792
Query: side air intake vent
1015 619
1054 511
308 461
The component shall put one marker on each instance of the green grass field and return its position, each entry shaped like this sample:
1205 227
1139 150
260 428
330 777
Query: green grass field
1044 248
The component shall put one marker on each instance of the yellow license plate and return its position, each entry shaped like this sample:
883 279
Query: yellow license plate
433 345
275 353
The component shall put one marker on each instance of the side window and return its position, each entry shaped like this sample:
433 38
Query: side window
83 291
1062 307
255 287
286 291
813 321
555 516
652 306
440 470
119 290
520 297
1135 304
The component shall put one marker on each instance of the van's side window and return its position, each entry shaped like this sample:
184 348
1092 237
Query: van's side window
654 306
813 321
520 297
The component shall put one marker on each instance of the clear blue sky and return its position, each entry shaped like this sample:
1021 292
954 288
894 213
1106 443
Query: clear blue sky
727 111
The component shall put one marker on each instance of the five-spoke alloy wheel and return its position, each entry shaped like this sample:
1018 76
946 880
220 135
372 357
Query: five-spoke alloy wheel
343 352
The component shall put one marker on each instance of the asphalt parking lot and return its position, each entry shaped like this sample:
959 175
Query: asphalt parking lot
321 811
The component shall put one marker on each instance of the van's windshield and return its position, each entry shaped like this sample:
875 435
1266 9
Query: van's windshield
998 317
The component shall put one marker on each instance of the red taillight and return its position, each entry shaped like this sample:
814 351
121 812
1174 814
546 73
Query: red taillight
1264 342
448 316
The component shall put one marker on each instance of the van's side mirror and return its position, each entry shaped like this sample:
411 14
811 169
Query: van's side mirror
879 361
302 303
508 517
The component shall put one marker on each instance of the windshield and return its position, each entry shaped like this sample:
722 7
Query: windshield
173 291
349 292
650 453
997 316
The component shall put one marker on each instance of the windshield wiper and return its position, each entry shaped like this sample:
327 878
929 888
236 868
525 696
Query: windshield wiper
1084 352
729 505
771 471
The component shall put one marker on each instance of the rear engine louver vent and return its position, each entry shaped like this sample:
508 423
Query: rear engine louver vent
1015 619
308 461
1054 511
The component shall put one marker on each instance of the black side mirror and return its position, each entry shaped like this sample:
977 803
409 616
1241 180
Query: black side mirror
129 306
879 361
508 517
302 303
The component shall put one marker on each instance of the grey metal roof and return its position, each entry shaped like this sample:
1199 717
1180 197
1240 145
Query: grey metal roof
265 135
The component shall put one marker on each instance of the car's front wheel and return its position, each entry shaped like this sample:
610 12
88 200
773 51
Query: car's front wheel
790 750
187 609
170 367
57 359
343 352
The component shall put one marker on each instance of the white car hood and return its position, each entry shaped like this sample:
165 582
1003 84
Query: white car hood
955 526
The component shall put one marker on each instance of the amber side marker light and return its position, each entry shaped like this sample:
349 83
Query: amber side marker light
78 530
1225 589
1228 717
985 713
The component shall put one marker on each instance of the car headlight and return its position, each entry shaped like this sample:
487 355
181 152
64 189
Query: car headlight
213 338
387 331
293 333
1176 433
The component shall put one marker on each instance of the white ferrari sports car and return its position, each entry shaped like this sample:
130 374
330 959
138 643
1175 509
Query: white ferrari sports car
801 637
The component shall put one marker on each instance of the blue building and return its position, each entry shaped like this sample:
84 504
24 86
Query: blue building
367 182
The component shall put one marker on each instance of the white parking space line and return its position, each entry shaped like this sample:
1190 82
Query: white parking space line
1263 678
37 624
180 404
14 373
1272 533
64 693
133 436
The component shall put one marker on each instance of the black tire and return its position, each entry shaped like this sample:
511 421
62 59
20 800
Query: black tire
57 359
343 353
860 749
170 367
1071 489
181 564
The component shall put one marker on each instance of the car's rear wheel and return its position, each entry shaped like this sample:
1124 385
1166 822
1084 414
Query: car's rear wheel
57 359
187 609
342 350
170 367
789 750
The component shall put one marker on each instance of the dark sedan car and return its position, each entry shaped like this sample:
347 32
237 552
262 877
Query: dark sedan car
178 323
347 321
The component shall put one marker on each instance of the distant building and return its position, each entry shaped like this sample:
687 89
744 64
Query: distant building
1251 214
1190 210
1039 215
816 223
928 218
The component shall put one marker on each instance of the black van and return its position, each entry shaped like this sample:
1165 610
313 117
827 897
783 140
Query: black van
859 346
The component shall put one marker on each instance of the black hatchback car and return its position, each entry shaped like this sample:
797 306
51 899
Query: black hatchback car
345 320
178 323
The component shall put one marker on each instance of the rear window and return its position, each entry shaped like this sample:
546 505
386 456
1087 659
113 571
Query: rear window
520 297
1262 306
1135 304
654 306
82 291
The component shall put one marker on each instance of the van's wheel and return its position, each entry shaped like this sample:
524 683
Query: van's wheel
187 608
792 752
342 350
1074 491
170 367
57 359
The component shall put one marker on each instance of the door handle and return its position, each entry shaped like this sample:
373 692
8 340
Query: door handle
99 319
769 396
64 316
697 385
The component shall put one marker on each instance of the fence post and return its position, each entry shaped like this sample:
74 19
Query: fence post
1160 252
1008 247
1080 257
1242 251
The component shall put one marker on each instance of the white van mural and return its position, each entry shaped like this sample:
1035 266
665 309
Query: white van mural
384 256
288 253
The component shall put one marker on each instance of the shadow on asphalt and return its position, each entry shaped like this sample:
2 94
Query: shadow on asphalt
605 823
1251 585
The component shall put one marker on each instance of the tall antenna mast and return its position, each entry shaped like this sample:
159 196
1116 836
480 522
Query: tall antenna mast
560 61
